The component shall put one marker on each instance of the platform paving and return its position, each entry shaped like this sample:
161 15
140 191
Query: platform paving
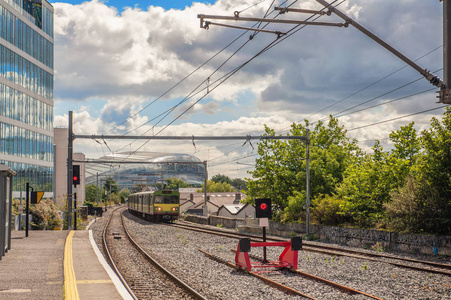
93 281
33 267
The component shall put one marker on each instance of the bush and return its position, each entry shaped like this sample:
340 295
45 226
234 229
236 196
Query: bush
329 210
45 215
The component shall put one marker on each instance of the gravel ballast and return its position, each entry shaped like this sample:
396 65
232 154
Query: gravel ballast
177 249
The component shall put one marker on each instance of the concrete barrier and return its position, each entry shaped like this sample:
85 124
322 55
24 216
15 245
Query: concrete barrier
362 238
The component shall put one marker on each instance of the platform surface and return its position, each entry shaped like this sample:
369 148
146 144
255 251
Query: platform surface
34 268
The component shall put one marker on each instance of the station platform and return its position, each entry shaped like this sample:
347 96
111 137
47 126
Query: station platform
57 265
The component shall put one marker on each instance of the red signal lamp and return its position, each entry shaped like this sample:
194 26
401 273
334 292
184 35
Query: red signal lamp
263 208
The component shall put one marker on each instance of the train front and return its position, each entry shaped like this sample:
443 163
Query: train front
166 205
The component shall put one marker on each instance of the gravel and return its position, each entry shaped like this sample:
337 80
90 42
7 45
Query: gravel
177 249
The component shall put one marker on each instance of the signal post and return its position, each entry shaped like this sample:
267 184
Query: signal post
289 256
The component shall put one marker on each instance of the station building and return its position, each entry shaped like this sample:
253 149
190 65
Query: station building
26 93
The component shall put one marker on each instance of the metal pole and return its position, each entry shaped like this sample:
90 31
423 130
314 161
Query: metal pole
20 214
97 188
427 74
205 189
53 174
265 261
307 189
75 211
69 173
189 138
10 182
446 43
27 208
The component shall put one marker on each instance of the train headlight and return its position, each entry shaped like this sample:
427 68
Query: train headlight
175 209
157 208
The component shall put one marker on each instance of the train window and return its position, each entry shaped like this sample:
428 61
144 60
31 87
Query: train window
174 199
167 199
158 199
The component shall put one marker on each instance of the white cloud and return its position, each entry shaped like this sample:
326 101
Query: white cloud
131 57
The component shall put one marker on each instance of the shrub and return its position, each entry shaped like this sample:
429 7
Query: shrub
329 210
45 215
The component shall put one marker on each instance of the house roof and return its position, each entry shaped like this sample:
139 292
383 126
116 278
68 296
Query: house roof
201 204
233 209
217 199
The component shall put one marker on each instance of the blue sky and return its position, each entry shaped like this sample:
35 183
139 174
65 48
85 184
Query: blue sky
111 64
142 4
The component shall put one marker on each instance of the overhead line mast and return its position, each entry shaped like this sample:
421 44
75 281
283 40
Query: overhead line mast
444 95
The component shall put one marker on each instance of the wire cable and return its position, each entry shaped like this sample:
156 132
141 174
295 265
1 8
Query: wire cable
397 118
372 84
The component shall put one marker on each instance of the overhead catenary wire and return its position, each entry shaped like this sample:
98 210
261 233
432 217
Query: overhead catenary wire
269 46
226 77
377 97
387 102
167 112
231 73
374 83
397 118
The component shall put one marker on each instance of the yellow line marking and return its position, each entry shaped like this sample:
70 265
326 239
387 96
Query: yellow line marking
70 286
94 281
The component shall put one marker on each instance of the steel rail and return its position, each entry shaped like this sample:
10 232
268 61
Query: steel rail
338 286
332 250
429 263
177 280
110 258
268 281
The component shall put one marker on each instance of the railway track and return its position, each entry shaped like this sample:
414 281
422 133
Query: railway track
403 262
287 289
137 269
382 280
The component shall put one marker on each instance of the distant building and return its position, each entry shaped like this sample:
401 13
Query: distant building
26 93
237 211
150 168
61 152
193 203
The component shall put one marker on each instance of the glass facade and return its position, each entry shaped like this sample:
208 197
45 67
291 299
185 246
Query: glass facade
26 92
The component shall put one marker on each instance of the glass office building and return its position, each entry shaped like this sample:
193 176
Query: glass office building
26 92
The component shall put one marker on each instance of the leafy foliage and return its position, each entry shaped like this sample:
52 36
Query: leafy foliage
282 165
407 188
45 215
175 183
213 187
237 183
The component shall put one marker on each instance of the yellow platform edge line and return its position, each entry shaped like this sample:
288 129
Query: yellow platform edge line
70 284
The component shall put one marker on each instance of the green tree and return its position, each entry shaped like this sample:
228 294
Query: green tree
435 172
370 182
213 187
280 170
111 186
220 178
91 193
238 183
174 183
123 194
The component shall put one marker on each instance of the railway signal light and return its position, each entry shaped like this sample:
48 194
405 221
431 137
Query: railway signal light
76 174
263 208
